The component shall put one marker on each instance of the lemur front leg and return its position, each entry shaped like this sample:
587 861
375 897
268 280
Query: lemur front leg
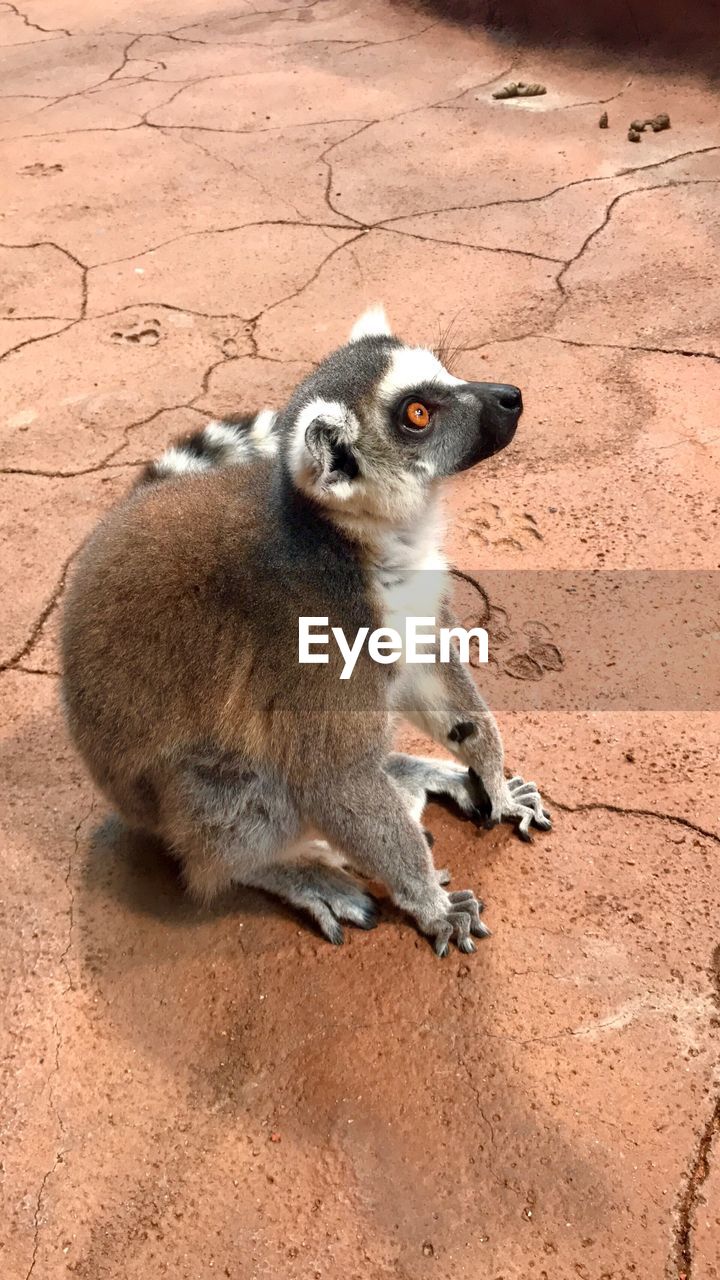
366 814
442 701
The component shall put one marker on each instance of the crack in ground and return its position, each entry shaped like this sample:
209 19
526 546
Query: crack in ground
596 102
215 231
118 70
681 1262
630 812
207 376
154 305
35 26
36 1218
240 43
208 128
429 106
50 244
554 191
41 337
559 280
106 463
58 1043
616 346
133 306
463 244
255 320
445 103
37 671
92 88
368 124
323 158
622 195
13 663
42 619
72 855
23 44
475 1089
682 1259
238 169
542 334
377 44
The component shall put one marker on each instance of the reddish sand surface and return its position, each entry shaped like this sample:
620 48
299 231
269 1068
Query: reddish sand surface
197 201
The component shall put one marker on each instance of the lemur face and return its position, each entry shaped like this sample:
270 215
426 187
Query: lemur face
379 422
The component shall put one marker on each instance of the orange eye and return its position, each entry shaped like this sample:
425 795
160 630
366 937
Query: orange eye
417 415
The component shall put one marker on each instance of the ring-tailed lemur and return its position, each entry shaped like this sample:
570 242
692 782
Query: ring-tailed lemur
181 682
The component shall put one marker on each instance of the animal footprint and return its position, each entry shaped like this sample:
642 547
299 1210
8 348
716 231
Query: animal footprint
539 655
39 170
499 528
525 652
548 656
144 335
521 666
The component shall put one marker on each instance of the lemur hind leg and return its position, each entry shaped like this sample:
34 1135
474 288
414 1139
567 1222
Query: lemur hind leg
326 893
230 825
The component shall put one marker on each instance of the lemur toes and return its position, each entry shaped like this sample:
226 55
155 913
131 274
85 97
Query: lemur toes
460 921
328 924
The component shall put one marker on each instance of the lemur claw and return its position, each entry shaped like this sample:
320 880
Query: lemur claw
523 805
460 918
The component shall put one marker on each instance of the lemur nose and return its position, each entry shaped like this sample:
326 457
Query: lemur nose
506 396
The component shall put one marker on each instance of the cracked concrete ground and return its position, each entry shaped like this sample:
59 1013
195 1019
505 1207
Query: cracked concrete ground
198 199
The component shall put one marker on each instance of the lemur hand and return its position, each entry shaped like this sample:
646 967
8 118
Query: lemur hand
517 801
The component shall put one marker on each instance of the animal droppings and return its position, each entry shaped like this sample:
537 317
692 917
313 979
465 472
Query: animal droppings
656 123
633 135
520 90
603 121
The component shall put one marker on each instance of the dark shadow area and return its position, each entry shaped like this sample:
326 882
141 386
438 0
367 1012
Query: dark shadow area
686 34
138 873
135 871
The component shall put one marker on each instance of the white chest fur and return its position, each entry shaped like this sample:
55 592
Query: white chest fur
410 571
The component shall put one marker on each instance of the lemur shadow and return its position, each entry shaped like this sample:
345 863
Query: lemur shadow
241 1030
138 872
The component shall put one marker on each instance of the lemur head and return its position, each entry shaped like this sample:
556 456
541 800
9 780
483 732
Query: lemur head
379 423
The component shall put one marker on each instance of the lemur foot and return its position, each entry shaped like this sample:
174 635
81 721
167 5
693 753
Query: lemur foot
459 917
328 895
341 899
522 804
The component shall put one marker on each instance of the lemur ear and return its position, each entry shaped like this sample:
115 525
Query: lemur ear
373 323
331 450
